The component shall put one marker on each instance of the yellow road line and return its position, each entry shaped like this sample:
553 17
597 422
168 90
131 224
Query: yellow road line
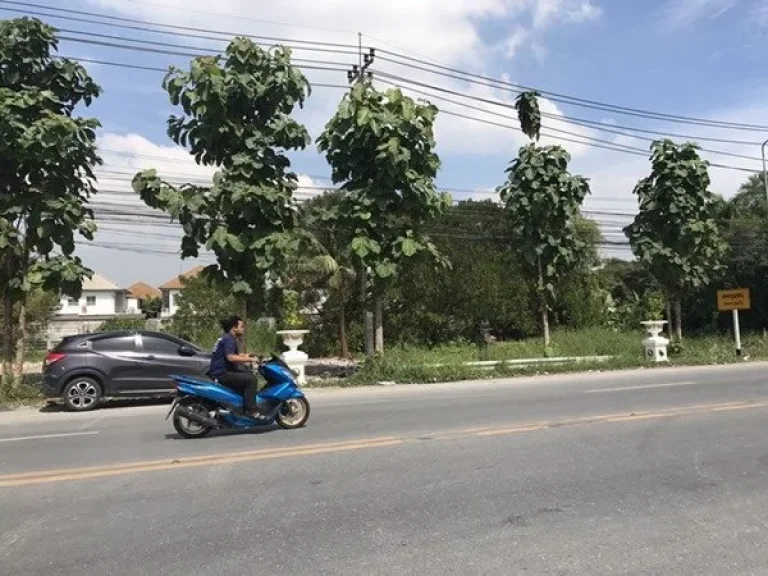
106 471
515 429
633 417
205 458
61 475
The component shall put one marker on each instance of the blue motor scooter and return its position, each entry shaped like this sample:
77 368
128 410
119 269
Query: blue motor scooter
202 406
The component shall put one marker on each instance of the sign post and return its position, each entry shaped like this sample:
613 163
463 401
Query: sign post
733 301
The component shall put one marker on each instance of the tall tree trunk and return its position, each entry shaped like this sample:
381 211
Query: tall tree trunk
379 321
7 375
8 336
543 306
367 316
343 341
678 320
21 345
670 321
245 320
21 341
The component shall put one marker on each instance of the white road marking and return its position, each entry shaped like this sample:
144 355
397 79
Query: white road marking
92 422
46 436
641 387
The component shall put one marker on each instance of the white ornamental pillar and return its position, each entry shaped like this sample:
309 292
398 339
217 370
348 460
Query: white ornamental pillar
655 344
295 358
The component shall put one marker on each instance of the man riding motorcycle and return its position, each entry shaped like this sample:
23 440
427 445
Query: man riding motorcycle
227 362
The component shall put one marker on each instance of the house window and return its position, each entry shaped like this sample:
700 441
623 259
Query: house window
72 302
90 301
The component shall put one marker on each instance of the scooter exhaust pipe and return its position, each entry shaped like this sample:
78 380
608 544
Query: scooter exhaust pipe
197 417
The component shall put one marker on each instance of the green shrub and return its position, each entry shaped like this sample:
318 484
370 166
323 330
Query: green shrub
120 324
291 315
262 339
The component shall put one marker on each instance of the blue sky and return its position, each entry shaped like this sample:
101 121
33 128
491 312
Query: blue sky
692 57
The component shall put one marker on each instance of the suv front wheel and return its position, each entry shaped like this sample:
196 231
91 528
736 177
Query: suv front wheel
81 394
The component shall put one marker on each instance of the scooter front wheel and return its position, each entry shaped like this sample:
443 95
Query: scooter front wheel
293 414
186 427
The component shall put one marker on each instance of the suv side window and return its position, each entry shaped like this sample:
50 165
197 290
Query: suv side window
114 344
157 345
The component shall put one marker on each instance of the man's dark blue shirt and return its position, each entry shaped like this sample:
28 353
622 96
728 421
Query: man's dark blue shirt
225 346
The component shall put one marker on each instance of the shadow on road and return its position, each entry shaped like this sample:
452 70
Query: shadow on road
54 406
226 433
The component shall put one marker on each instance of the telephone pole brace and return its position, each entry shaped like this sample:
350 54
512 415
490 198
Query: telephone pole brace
358 70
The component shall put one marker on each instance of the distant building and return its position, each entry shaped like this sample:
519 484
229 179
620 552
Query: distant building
100 297
172 289
101 300
143 291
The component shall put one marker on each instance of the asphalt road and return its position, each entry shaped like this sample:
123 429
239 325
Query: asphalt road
650 472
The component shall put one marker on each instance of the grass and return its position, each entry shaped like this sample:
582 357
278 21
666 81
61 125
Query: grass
412 365
592 342
25 394
447 363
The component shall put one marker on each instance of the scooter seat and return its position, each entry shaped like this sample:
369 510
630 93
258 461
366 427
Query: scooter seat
192 381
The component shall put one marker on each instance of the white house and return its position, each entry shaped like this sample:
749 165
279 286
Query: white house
100 297
172 289
138 292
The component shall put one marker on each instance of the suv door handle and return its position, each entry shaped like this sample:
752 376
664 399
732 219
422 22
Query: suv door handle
149 357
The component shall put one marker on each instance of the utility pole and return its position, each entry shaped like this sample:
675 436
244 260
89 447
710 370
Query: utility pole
355 73
765 174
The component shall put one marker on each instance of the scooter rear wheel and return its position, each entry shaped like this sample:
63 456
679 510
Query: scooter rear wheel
293 414
186 428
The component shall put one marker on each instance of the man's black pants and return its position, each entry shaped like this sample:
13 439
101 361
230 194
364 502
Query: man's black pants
244 383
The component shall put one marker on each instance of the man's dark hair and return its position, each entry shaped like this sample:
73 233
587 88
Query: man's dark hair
230 322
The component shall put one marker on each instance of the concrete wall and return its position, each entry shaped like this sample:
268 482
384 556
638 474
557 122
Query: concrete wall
62 326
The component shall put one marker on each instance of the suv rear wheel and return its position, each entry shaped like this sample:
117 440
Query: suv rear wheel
81 394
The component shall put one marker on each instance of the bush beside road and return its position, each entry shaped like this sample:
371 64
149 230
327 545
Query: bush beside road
414 365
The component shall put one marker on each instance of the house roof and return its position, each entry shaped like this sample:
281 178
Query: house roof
175 283
98 283
144 291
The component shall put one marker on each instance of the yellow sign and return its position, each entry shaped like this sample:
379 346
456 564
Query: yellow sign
736 299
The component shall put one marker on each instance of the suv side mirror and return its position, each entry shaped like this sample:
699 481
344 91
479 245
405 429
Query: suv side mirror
187 351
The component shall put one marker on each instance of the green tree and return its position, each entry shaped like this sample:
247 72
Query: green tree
46 172
151 307
582 300
333 268
40 307
236 116
675 233
201 306
435 307
542 201
750 200
381 148
743 221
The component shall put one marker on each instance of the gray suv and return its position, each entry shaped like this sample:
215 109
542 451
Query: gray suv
84 369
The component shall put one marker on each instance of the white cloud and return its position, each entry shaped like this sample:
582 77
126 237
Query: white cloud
447 31
126 154
514 41
546 11
682 13
759 13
